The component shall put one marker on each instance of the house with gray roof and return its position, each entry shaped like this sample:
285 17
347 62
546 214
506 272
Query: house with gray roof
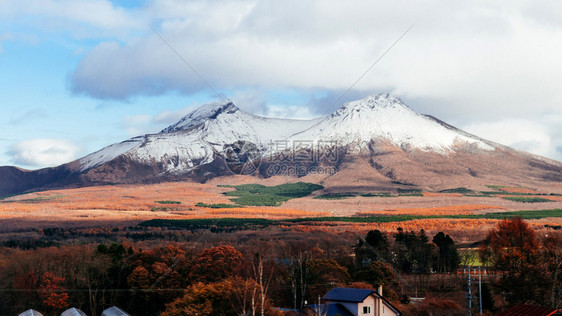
355 302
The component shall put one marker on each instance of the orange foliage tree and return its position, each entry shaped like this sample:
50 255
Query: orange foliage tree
216 263
232 296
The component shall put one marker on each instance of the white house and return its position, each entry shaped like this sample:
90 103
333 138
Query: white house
355 302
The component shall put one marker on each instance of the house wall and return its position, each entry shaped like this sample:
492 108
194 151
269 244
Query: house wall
386 310
369 301
378 307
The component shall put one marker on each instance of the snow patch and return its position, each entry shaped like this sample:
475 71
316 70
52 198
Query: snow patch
109 153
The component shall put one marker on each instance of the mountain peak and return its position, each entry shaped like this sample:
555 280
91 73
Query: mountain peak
203 113
372 102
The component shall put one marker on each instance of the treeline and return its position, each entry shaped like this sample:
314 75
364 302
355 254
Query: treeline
252 271
252 274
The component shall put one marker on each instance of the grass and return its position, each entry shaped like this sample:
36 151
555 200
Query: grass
461 190
403 183
525 214
217 205
334 196
207 223
527 199
260 195
409 192
168 202
382 194
240 223
42 198
159 209
490 193
400 191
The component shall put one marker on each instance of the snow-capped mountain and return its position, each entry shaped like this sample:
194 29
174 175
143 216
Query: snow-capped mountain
198 137
378 138
206 132
386 117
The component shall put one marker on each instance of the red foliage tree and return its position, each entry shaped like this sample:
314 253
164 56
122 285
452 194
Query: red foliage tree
513 250
510 245
52 291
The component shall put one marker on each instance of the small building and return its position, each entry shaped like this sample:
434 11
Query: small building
30 312
524 310
114 311
73 312
355 302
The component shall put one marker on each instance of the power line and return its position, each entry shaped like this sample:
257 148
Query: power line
364 74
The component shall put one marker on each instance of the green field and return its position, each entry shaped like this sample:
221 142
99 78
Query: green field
260 195
334 196
378 194
461 190
244 222
526 199
168 202
217 205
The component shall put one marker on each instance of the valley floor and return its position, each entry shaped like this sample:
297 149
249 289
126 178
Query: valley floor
129 205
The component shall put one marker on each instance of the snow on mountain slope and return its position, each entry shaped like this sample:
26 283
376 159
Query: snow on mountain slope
198 136
208 130
109 153
200 115
386 117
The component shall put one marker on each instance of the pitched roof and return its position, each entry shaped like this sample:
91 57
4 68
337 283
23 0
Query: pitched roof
523 310
30 312
73 312
344 294
331 309
347 294
114 311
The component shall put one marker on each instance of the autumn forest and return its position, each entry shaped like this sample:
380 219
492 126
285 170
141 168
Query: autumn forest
185 249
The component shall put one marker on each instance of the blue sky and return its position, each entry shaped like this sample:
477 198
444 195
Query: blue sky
76 76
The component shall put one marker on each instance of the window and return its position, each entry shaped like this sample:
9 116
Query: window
366 309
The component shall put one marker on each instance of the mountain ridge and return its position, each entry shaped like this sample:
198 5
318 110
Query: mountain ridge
219 139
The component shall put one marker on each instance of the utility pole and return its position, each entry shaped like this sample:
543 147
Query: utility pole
469 294
480 289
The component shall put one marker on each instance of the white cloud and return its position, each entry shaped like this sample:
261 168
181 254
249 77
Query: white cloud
533 137
43 152
290 111
461 62
136 125
473 58
171 117
82 19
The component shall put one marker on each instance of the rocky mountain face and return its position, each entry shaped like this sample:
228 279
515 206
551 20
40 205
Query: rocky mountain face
379 137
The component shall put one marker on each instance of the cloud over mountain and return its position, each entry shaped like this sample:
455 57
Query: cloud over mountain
43 152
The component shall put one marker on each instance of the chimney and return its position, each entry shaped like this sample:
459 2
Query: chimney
379 290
